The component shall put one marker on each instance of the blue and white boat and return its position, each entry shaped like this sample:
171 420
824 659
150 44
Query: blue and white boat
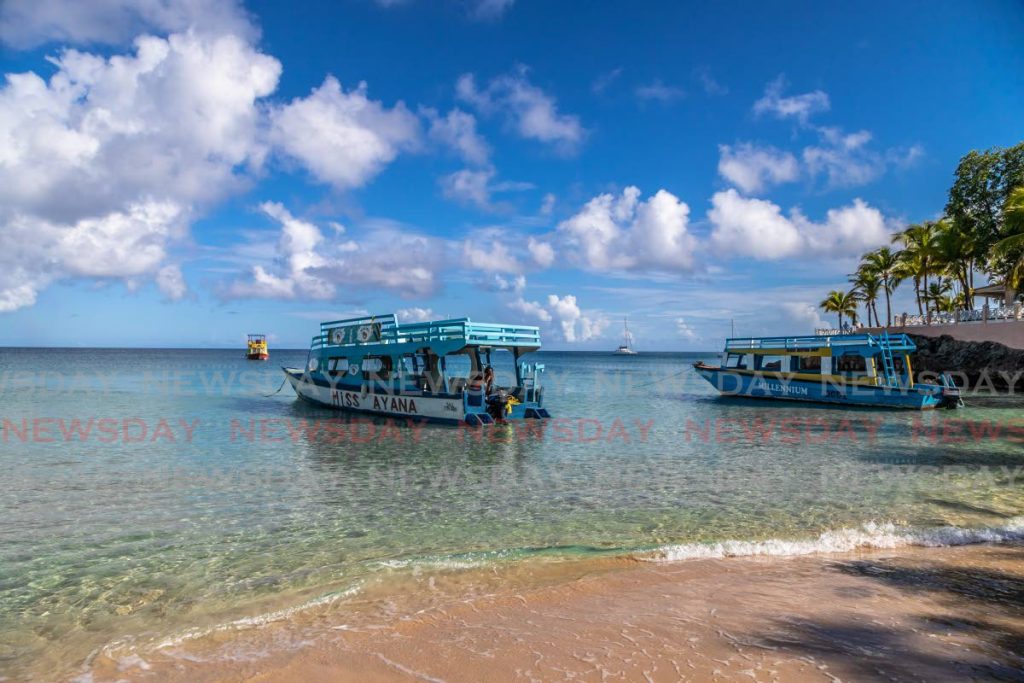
853 369
434 371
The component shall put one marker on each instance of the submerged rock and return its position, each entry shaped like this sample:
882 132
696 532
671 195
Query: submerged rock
976 365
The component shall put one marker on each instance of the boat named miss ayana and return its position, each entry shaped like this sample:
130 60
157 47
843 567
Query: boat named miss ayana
438 371
855 369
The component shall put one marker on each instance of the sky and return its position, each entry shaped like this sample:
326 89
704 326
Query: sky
183 172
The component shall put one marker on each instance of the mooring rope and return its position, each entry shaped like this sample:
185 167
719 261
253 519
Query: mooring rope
283 382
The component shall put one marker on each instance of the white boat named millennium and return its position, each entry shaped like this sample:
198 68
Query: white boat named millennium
375 365
854 369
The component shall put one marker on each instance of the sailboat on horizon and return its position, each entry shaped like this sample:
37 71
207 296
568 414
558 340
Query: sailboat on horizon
626 347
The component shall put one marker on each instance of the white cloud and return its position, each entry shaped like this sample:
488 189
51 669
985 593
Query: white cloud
571 323
469 186
708 82
752 168
548 204
343 138
478 10
803 316
531 112
309 266
905 157
625 234
88 186
744 226
575 325
684 330
457 130
415 314
516 286
28 23
751 227
530 309
602 82
843 158
498 283
474 187
800 107
847 231
658 91
171 282
485 252
120 245
489 10
542 253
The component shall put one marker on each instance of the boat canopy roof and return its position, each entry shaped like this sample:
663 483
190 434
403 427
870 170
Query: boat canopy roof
383 335
866 342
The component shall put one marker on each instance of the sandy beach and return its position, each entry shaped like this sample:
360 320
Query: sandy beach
907 614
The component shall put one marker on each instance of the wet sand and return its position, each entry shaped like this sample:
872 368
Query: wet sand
907 614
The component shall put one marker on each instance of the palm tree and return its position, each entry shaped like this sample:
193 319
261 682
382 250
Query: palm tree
918 242
947 304
886 264
840 303
938 292
954 256
866 285
1013 219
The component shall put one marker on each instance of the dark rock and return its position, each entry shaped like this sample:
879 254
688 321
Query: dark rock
974 365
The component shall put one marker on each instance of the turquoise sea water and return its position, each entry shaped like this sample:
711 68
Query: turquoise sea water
145 493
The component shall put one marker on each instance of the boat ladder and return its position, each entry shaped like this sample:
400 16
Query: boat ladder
887 363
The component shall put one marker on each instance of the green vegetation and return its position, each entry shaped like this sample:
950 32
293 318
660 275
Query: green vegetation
841 303
982 231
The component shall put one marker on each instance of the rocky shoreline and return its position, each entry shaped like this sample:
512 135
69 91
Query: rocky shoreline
983 366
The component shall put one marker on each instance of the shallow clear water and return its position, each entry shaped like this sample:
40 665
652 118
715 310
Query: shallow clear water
194 499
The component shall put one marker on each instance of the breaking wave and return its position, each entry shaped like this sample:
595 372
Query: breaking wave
867 536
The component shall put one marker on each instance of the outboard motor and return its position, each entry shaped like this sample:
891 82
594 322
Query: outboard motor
950 393
497 405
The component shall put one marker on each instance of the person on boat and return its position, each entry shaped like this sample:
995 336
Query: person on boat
488 380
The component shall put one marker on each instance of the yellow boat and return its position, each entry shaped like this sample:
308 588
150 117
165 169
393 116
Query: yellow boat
257 347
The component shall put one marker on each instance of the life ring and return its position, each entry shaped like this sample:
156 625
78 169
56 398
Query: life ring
365 333
337 336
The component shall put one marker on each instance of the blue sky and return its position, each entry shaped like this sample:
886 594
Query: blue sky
182 173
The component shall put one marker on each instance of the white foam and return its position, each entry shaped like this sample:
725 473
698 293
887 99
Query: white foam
131 643
870 535
256 621
436 563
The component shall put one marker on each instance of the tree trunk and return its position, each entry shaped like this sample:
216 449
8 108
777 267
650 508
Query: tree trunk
917 294
970 285
926 307
888 309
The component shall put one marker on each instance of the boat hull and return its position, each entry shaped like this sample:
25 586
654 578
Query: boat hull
417 406
446 409
756 385
257 356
